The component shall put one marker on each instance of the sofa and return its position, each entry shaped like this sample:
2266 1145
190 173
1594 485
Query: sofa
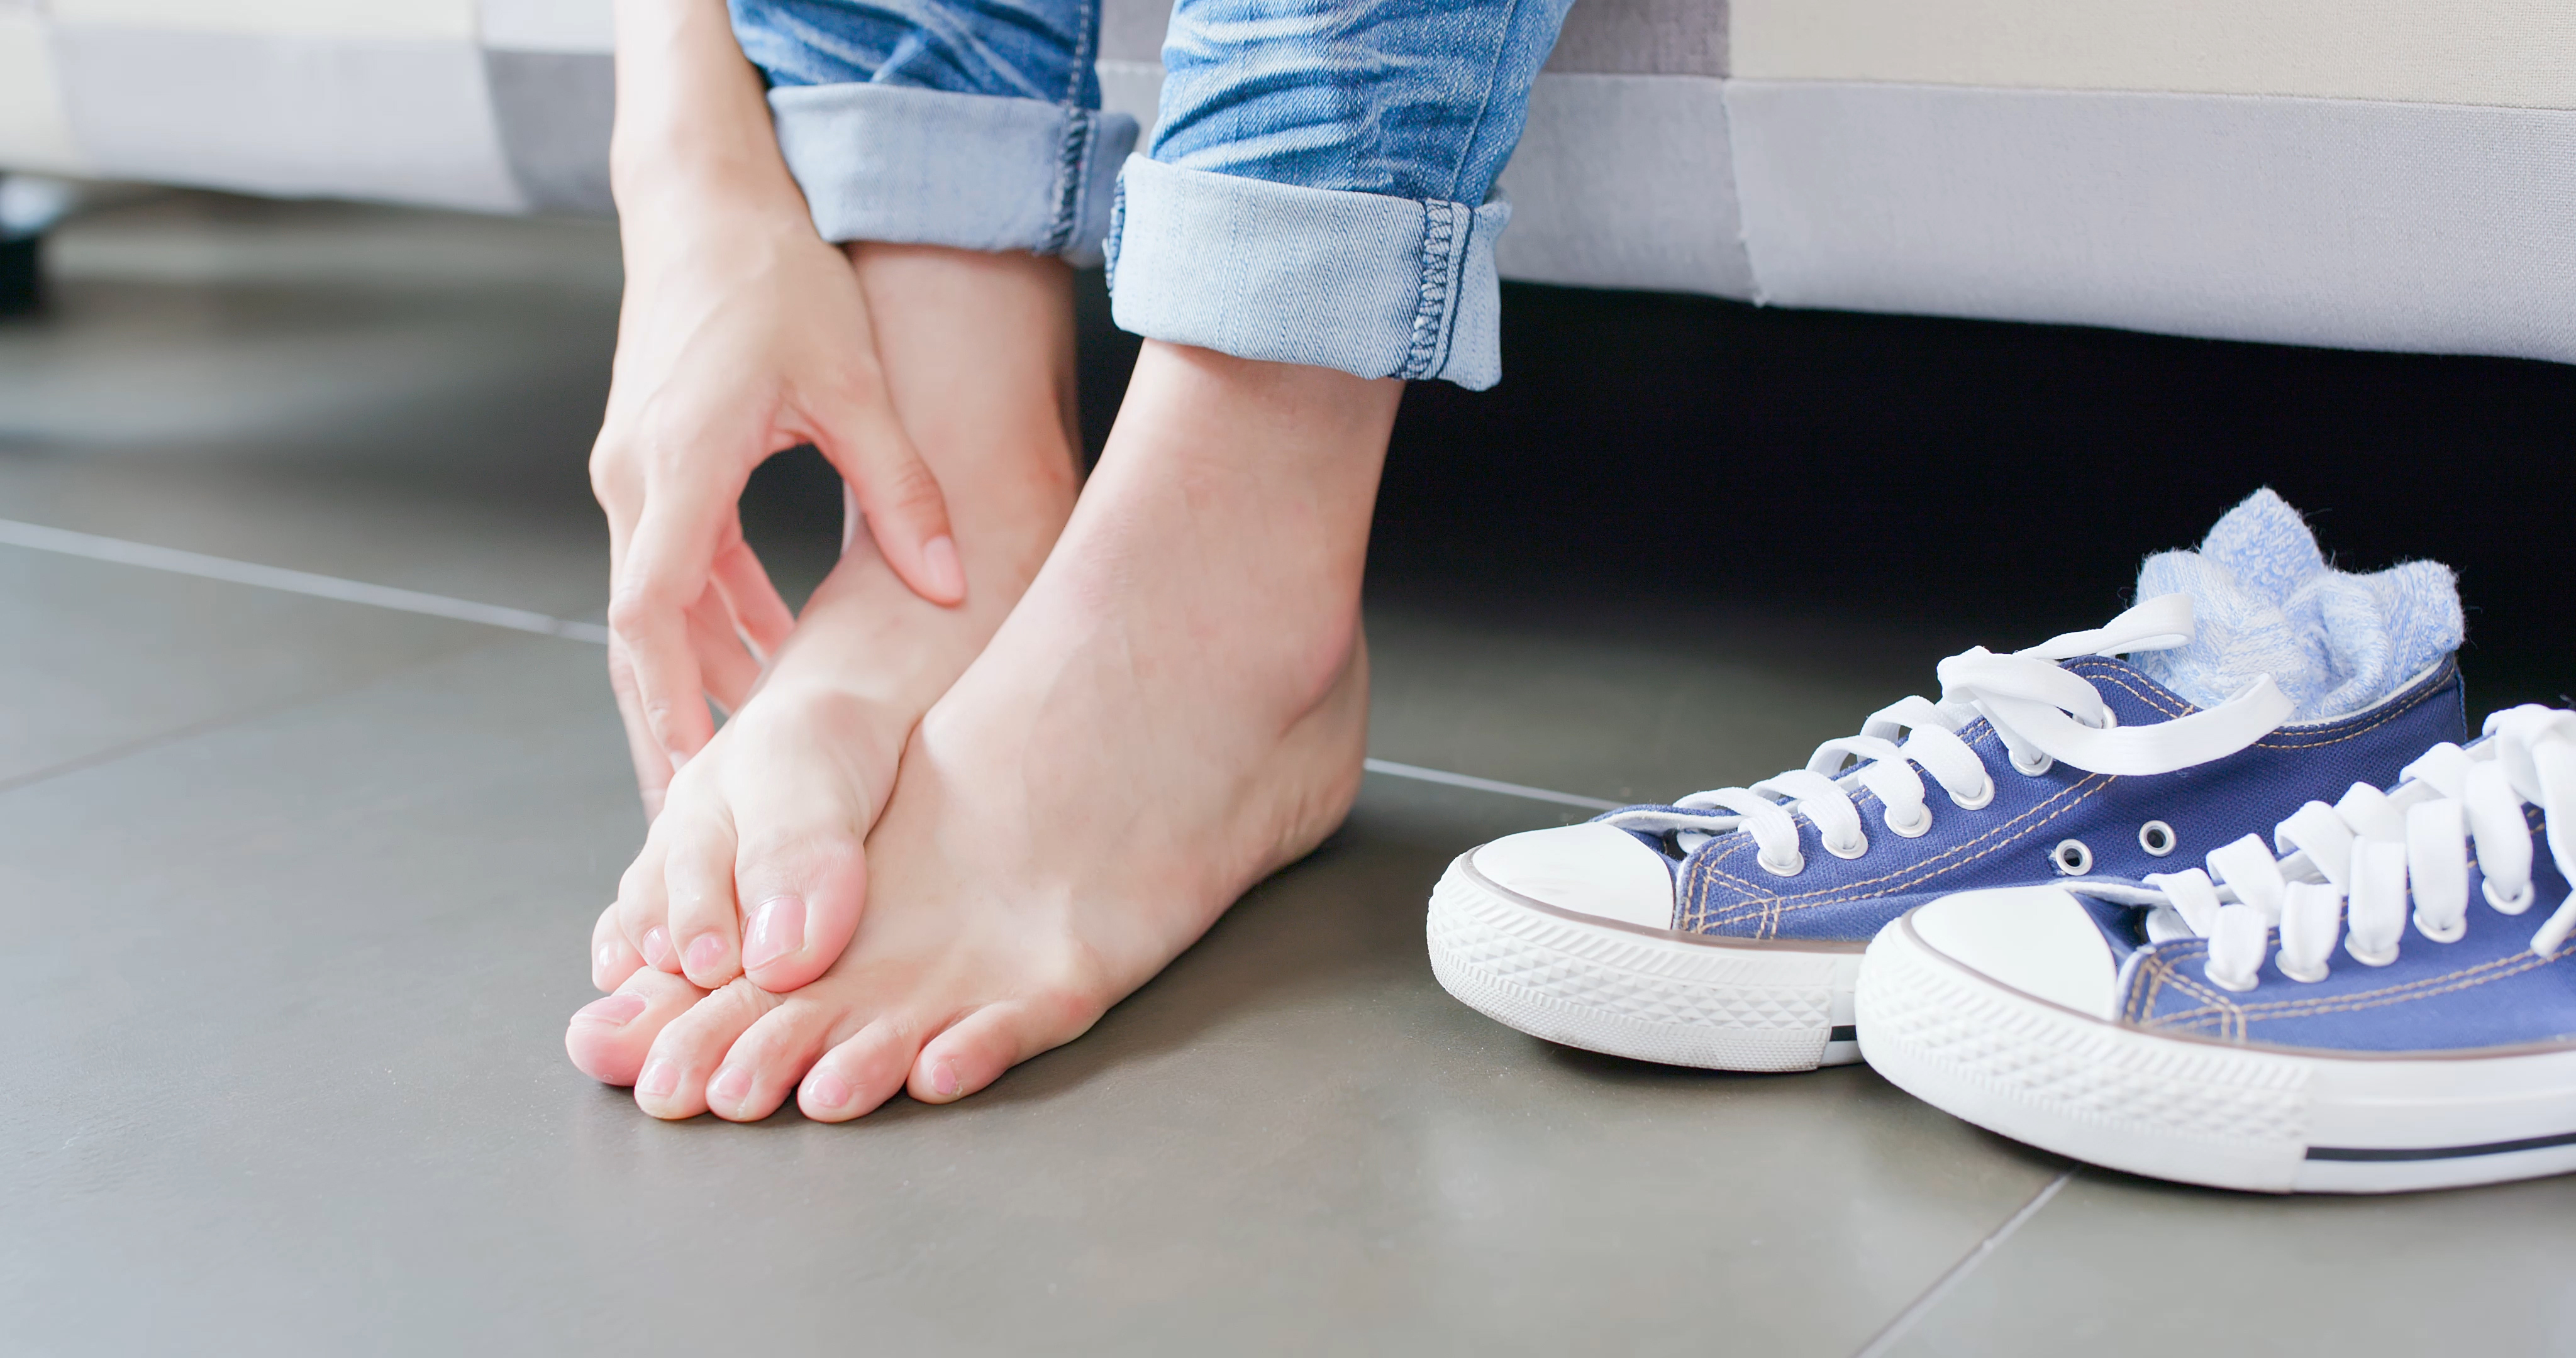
2383 174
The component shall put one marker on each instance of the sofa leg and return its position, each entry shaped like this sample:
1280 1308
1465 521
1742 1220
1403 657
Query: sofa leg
22 277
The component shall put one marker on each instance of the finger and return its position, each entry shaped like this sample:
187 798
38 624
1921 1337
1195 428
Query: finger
724 665
665 573
905 510
673 1081
705 920
652 764
612 958
608 1039
757 608
863 1072
974 1051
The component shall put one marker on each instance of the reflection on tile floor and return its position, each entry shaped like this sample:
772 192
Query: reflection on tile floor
299 892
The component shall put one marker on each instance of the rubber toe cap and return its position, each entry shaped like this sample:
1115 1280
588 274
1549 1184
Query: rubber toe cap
1591 869
2038 940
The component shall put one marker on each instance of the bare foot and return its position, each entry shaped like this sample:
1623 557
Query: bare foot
756 861
1177 708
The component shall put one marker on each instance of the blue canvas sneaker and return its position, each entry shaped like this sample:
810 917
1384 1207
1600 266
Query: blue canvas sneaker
2389 1006
1725 930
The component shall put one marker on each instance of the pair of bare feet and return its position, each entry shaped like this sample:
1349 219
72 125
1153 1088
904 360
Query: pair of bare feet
936 841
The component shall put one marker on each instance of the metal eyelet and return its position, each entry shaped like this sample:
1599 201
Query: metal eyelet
1797 864
1984 798
2156 837
2511 905
1856 850
1912 830
2071 857
2033 770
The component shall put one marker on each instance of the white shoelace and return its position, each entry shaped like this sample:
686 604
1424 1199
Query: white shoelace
2042 712
2375 851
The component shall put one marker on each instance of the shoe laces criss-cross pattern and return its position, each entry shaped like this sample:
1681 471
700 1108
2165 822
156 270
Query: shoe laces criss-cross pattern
1725 930
2204 1025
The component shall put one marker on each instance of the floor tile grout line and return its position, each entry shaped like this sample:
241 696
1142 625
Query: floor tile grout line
120 551
65 542
1886 1340
1418 773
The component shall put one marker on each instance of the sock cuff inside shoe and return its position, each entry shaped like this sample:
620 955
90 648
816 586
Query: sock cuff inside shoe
2266 601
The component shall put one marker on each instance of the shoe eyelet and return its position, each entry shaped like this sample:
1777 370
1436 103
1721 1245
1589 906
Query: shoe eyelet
2156 837
2511 905
1797 864
1915 829
2071 857
1858 848
1985 797
2032 770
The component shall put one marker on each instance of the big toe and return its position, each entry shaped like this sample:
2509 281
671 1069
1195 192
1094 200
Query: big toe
608 1038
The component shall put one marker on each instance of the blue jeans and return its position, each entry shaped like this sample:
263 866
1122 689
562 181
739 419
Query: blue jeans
1319 190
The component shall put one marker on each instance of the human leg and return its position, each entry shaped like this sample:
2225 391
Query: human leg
1178 707
969 133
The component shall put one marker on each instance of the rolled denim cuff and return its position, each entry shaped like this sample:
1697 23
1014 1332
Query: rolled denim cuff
1374 285
974 171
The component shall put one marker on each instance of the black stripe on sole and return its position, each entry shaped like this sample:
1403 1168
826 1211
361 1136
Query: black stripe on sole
1846 1033
2532 1143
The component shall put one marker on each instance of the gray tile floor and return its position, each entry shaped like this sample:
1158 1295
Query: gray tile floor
297 892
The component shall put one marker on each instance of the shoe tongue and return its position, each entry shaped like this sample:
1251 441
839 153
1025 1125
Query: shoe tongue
2265 601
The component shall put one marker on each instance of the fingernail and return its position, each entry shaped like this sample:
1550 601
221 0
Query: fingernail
944 1081
659 1080
705 951
657 945
939 563
828 1092
606 958
679 761
732 1084
777 929
616 1011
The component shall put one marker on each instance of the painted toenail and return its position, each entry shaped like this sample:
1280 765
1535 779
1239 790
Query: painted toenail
659 1080
705 951
828 1092
616 1011
732 1084
777 929
657 945
944 1081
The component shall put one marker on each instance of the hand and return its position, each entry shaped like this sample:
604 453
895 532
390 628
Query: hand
743 334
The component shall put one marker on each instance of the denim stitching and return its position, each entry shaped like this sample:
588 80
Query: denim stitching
1073 158
1423 355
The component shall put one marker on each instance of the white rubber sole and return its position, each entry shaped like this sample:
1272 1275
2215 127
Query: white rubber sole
1651 994
2267 1120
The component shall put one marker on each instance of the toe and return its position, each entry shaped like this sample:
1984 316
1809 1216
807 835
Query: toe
607 1040
765 1063
974 1051
644 908
612 958
673 1081
861 1073
698 875
810 886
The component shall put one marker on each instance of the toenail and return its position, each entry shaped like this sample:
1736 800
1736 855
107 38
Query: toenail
944 1081
828 1092
732 1084
616 1011
705 951
657 945
777 929
660 1080
607 956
